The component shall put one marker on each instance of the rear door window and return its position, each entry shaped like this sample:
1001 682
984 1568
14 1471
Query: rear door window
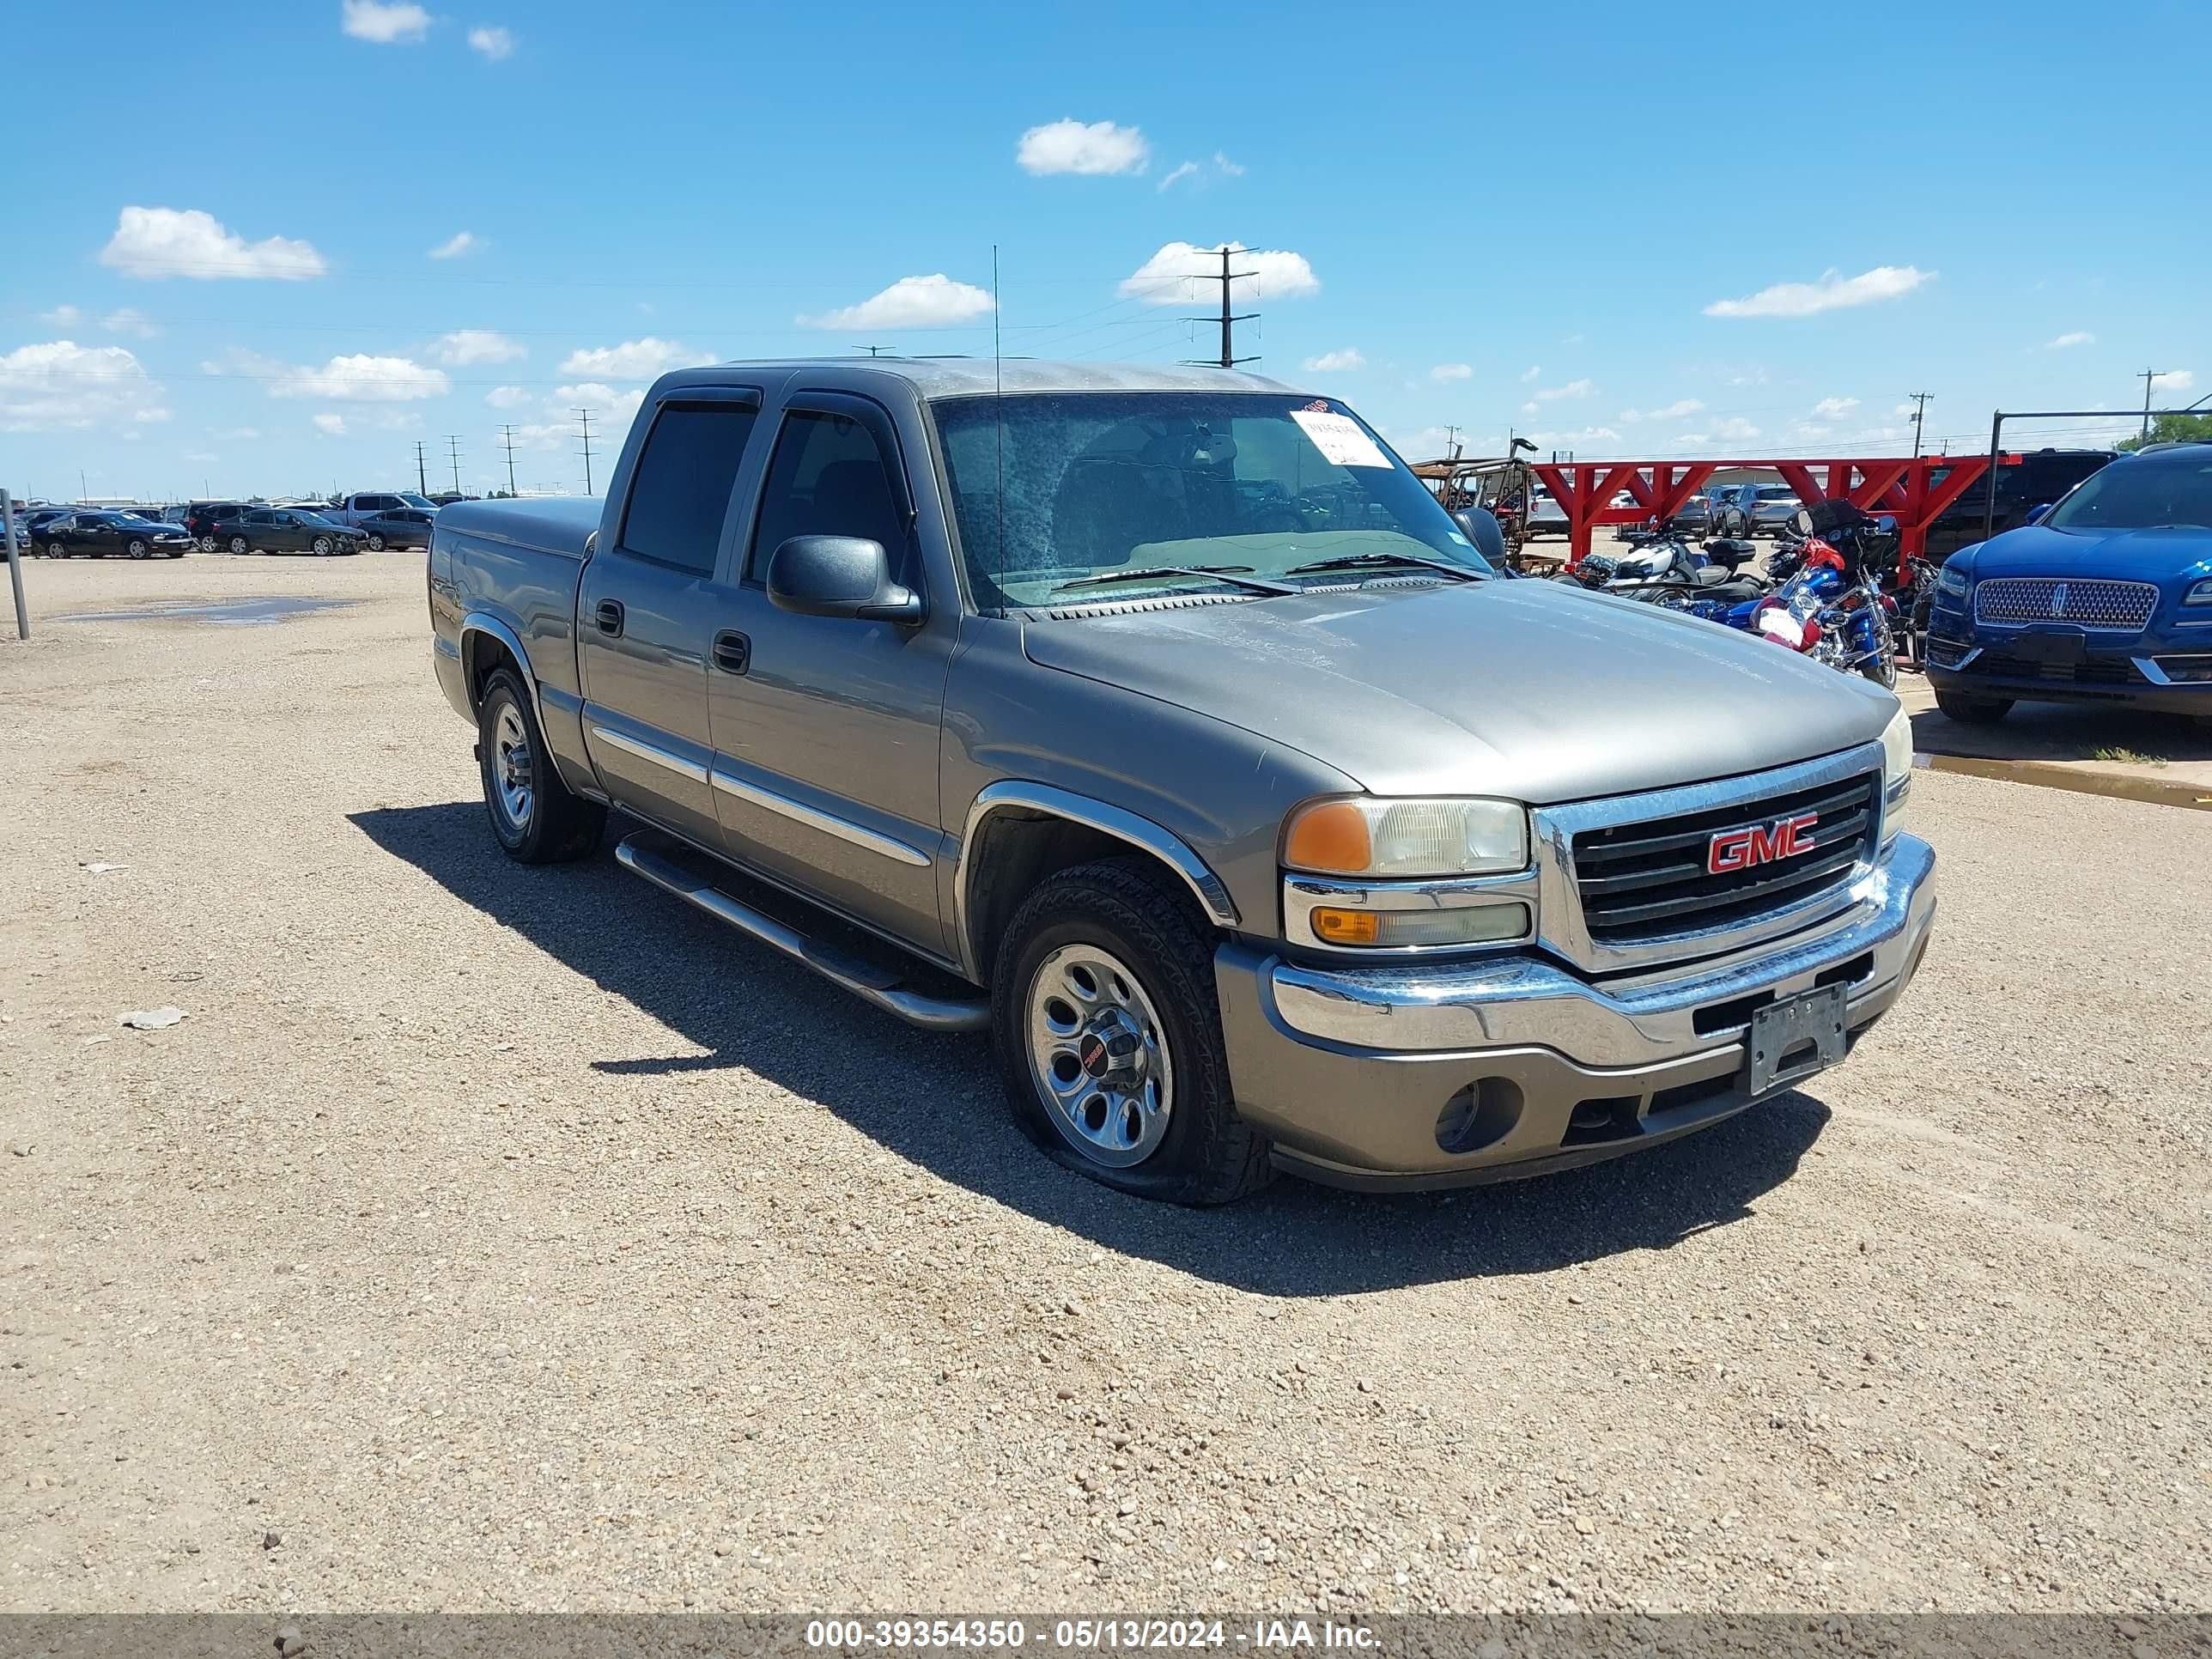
681 492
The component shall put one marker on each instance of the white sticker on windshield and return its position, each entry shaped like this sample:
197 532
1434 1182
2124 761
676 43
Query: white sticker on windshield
1340 439
1460 539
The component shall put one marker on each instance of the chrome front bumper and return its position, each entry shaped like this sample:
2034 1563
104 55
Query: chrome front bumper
1356 1072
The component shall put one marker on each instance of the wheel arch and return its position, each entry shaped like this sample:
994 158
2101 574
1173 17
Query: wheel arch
1020 834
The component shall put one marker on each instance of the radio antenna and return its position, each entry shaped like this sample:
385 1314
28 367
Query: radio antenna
999 422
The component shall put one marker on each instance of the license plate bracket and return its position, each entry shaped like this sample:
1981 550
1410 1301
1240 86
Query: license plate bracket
2052 649
1781 1030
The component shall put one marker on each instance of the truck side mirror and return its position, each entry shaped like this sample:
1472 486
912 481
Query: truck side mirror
839 576
1481 528
2035 513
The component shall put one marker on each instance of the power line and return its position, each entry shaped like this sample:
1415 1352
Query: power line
1228 358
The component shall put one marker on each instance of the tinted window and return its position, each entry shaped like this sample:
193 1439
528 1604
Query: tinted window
829 478
682 489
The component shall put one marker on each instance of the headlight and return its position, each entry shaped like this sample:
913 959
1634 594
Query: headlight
2200 594
1365 837
1952 580
1896 770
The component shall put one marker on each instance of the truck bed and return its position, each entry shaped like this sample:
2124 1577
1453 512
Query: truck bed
561 524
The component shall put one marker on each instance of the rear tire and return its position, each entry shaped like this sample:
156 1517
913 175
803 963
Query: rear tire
240 547
56 551
533 816
1970 710
1149 1111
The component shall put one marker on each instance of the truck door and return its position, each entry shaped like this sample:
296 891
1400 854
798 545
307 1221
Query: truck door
646 607
826 728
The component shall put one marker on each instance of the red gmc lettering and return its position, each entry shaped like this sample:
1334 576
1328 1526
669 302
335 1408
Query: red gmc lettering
1760 843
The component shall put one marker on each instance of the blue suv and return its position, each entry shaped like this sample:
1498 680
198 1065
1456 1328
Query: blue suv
2105 598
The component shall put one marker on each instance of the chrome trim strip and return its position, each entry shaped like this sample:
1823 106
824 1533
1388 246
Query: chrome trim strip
652 751
829 823
1526 1001
1560 924
1044 799
2149 668
933 1013
1303 893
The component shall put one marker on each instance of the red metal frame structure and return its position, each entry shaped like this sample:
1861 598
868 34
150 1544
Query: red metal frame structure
1905 489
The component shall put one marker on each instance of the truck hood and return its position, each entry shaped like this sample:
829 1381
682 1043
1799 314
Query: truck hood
1532 690
2156 555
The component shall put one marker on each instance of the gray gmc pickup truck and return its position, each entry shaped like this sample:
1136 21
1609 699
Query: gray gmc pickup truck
1160 723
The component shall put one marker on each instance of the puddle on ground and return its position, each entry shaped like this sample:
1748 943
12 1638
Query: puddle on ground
233 611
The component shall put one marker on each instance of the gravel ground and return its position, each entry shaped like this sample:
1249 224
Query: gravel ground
487 1238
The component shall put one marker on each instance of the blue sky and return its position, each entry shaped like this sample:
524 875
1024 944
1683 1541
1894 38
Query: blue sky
286 242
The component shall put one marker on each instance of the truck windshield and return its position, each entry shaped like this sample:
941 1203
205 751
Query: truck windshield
1096 482
417 501
2140 495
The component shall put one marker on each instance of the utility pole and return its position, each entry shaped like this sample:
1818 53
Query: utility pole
422 480
2149 375
506 436
1229 359
1919 416
586 416
873 351
454 449
1451 442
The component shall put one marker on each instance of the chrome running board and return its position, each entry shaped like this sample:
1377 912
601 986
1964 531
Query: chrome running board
664 862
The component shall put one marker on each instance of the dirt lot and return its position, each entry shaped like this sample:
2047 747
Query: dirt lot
489 1237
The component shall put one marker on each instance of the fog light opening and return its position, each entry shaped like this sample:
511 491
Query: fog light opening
1481 1114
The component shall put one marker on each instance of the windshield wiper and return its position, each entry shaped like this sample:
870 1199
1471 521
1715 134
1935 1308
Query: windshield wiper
1230 575
1366 561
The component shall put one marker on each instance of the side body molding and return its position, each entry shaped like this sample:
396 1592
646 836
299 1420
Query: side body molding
1043 799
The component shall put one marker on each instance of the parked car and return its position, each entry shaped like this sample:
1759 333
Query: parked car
1546 516
407 527
2039 478
351 510
2105 598
200 519
447 497
1729 510
96 535
285 529
1254 847
1773 509
37 518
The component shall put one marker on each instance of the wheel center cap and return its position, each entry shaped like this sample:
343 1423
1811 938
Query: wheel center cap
1091 1051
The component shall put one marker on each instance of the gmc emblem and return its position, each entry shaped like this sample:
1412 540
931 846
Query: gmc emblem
1753 844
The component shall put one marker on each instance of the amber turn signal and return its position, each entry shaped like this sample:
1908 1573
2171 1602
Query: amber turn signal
1330 837
1345 926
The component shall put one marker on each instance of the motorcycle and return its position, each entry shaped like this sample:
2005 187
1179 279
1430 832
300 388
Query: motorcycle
1660 567
1830 604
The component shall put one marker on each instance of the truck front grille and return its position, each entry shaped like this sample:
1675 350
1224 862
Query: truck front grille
2092 603
1649 880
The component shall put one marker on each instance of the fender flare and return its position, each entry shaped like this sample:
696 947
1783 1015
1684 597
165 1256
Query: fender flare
1047 800
482 621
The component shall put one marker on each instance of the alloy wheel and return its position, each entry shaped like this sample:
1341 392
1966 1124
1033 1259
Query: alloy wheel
1098 1055
512 768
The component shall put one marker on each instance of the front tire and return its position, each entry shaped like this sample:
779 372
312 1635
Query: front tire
376 543
321 546
1970 710
138 550
1108 1032
534 818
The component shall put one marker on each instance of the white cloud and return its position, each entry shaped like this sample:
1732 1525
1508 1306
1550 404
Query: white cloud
1735 429
402 24
1531 374
2174 379
1070 146
494 43
62 383
1444 372
62 316
360 378
1220 167
1833 409
633 360
608 405
158 243
932 301
1832 291
201 455
1673 411
508 396
465 346
331 424
2078 337
236 434
1573 389
1165 279
460 243
1589 434
1336 361
124 320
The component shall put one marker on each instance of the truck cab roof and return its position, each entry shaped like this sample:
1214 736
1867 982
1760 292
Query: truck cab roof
969 376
